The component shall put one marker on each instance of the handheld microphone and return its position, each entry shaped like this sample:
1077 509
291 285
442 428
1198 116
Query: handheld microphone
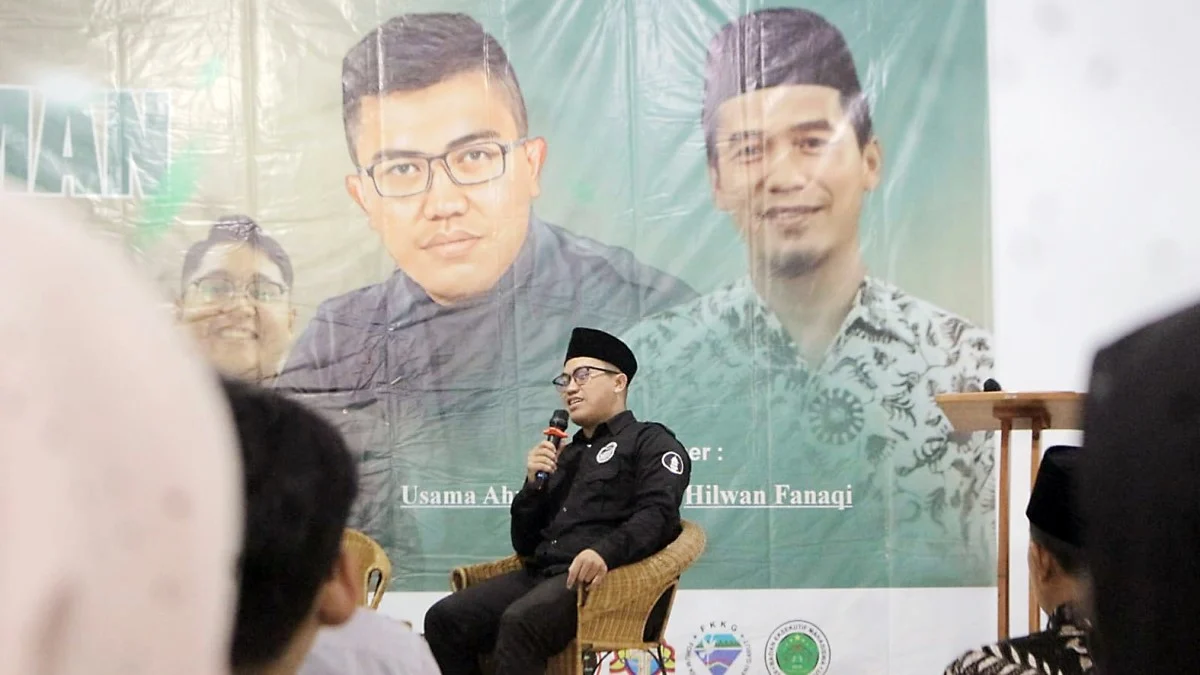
991 385
554 433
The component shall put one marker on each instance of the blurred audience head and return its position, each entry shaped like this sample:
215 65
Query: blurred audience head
1056 565
1141 498
295 575
119 479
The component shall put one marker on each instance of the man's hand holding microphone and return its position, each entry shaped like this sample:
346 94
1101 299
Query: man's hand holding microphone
543 459
588 567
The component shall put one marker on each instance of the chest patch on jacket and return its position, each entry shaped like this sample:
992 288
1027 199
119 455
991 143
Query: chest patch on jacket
606 453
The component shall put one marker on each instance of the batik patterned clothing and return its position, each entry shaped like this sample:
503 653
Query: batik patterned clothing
1061 649
839 473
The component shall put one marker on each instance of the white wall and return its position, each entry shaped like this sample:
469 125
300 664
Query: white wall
1095 138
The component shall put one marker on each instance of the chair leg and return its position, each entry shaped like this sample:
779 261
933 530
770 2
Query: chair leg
591 661
662 659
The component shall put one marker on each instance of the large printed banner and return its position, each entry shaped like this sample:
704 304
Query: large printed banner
397 210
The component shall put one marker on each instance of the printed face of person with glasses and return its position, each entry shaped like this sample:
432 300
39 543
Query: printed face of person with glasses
447 182
593 390
237 306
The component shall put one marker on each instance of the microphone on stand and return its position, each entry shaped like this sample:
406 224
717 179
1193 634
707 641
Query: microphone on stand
554 433
991 385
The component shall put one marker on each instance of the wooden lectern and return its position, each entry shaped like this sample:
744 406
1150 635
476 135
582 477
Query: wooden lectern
1008 411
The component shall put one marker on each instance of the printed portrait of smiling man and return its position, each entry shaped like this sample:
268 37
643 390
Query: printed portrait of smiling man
445 171
235 299
827 375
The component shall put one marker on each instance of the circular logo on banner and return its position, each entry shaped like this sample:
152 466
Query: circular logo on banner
606 453
719 648
797 648
673 462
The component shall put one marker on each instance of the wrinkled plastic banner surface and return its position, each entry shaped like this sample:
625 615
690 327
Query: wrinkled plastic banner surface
784 213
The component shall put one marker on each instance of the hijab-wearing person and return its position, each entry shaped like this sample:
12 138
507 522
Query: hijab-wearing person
120 488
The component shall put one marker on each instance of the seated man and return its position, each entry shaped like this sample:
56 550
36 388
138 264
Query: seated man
294 574
446 169
611 498
1058 573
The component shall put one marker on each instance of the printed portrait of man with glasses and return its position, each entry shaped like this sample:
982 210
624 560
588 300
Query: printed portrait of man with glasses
235 299
445 169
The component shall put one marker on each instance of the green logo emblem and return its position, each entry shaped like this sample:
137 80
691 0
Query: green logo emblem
797 648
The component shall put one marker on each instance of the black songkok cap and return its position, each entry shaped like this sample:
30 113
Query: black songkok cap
597 344
1052 507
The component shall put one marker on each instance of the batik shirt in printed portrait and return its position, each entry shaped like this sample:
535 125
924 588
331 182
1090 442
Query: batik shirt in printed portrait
843 472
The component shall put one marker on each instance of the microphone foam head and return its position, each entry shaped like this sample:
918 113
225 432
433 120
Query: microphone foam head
991 385
559 420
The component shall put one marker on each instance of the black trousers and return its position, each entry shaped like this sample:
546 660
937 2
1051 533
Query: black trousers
523 617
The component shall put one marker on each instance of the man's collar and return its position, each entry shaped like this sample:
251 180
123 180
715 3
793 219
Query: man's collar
874 303
612 427
868 296
781 348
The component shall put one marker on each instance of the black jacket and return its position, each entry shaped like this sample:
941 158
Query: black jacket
617 493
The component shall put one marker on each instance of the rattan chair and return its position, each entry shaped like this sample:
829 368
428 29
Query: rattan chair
629 610
375 570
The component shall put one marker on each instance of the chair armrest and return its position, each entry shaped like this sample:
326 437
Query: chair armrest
371 563
616 611
469 575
